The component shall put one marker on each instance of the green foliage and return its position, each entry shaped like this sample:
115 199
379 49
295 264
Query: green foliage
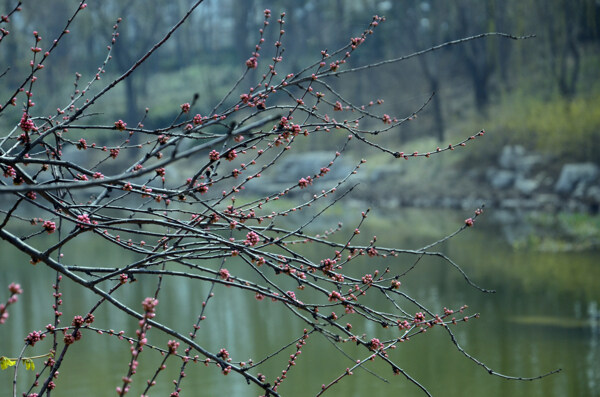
565 129
169 89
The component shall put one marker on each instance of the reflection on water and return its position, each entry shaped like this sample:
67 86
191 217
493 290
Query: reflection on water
544 316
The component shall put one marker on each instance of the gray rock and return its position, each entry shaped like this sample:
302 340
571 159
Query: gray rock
572 205
526 186
515 158
298 166
547 202
511 204
449 202
593 194
500 179
509 155
572 175
301 165
580 190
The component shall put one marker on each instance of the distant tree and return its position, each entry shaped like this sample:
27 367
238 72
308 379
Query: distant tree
182 199
561 30
428 26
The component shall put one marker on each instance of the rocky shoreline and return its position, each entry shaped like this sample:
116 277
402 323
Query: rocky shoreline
516 180
528 180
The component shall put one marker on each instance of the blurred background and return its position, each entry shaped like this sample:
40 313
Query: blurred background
536 169
538 99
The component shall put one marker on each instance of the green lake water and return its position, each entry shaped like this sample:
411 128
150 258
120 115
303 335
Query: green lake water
544 316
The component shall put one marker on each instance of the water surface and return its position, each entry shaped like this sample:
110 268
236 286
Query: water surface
543 316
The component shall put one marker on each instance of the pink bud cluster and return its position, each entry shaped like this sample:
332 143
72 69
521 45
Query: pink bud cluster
149 305
34 337
26 124
252 239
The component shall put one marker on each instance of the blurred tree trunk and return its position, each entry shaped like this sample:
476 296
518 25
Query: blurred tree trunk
568 72
502 24
137 33
475 18
241 14
183 39
424 30
434 85
561 30
124 55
